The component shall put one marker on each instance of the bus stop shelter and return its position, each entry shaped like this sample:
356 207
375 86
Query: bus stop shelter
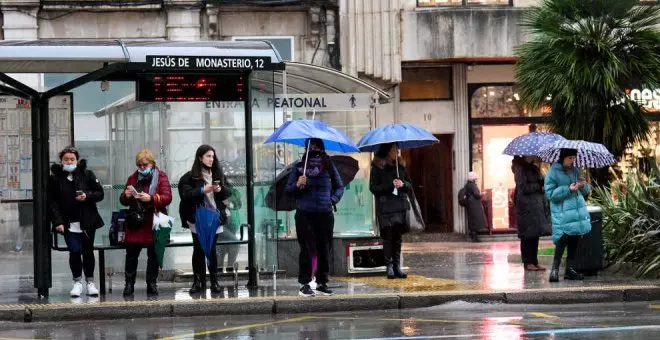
231 67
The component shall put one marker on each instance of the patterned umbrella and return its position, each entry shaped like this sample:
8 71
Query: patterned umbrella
589 155
530 144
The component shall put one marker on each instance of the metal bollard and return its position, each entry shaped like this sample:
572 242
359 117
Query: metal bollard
274 280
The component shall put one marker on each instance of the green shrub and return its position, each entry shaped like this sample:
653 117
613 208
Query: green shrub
631 223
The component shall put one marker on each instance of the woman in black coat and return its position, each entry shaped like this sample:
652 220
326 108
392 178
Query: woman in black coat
204 185
474 209
390 191
73 194
531 213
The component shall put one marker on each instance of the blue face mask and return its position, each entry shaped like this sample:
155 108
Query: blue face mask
144 172
69 167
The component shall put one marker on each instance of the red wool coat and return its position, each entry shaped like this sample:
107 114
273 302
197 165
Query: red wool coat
159 202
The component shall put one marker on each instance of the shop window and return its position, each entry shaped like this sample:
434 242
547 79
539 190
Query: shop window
496 180
427 83
501 102
438 3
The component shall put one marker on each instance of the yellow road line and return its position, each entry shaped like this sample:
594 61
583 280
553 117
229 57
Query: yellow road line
654 306
543 315
236 328
395 319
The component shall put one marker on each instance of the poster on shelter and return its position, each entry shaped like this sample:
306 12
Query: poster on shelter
16 141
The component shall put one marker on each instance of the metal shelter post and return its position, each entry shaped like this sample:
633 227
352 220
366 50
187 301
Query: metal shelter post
43 278
249 174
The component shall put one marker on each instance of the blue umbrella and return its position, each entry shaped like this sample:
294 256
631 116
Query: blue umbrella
405 136
530 144
297 132
207 221
589 155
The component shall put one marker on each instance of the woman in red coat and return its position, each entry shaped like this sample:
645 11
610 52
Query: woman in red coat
150 187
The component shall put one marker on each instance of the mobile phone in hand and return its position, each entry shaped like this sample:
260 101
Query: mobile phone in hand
79 193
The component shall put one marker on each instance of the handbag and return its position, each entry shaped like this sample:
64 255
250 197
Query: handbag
135 216
414 221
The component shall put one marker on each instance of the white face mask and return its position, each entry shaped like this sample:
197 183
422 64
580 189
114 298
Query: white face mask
69 167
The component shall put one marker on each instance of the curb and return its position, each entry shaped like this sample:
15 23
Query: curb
293 305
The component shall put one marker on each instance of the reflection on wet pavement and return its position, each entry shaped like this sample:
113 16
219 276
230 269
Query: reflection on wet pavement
450 321
432 267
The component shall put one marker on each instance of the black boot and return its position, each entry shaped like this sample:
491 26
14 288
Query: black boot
215 286
572 274
152 288
554 273
199 284
396 260
129 287
390 269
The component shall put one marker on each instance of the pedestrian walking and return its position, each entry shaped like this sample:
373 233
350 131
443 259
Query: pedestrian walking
474 209
390 189
566 191
74 192
530 211
316 184
147 191
205 185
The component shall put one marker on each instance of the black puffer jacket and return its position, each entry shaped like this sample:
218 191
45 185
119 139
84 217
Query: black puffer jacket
60 205
531 211
390 209
190 192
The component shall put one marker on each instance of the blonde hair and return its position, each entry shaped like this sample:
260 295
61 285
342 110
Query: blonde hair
145 154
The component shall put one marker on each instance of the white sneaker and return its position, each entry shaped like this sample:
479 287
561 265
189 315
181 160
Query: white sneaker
91 289
77 289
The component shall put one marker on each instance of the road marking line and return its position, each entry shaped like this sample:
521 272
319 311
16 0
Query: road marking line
516 334
396 319
543 315
236 328
654 306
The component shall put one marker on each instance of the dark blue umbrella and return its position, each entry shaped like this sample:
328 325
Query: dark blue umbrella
405 136
530 144
207 221
297 132
589 155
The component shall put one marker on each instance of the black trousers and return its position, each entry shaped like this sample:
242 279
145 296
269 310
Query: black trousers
199 259
81 254
566 241
314 231
132 256
529 249
392 239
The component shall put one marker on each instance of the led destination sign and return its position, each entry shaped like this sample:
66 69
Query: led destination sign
208 63
190 88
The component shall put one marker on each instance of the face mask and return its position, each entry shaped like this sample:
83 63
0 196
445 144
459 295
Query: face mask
69 167
144 172
314 153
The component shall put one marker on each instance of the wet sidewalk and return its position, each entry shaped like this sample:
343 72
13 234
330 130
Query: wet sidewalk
439 272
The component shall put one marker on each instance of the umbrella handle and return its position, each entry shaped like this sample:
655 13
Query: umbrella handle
306 158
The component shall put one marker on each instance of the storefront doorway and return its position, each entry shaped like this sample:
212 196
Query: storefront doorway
430 169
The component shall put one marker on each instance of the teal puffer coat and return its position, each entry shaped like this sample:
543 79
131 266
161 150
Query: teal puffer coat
568 209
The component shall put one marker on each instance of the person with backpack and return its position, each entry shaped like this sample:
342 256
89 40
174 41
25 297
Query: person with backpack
469 197
317 186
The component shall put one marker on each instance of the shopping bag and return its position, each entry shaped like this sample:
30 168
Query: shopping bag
414 220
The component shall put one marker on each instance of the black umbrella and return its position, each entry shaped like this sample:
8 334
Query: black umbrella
277 199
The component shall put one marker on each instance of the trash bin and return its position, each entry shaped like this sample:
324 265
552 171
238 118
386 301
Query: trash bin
589 255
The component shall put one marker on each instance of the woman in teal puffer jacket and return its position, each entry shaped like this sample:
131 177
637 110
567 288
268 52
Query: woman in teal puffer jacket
566 192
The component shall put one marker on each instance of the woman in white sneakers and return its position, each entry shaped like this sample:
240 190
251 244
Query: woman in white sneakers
74 192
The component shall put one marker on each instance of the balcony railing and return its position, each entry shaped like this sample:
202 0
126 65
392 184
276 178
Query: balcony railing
465 3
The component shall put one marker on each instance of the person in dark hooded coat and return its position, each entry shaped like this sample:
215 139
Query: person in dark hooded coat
474 209
531 214
74 192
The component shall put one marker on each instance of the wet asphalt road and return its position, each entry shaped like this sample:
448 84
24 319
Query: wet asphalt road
452 321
